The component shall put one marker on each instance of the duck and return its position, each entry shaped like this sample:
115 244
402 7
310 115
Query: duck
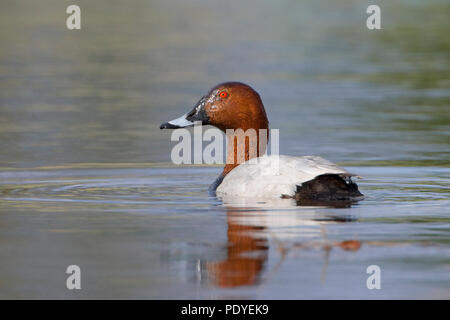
306 179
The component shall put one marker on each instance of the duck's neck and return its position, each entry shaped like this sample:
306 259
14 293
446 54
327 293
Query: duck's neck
243 145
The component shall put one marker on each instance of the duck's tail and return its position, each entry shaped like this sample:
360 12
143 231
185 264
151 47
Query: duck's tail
327 188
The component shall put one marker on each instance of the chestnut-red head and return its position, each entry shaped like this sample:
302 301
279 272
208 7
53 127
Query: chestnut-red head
229 105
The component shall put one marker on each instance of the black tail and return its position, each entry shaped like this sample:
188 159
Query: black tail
327 188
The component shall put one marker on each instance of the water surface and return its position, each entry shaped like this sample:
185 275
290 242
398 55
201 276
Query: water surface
153 232
86 177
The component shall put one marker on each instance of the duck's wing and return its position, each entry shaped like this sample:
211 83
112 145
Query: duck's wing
273 176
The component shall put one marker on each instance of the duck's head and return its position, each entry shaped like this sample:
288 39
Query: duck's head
229 105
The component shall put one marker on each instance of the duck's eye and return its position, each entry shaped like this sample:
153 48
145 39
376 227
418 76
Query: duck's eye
223 94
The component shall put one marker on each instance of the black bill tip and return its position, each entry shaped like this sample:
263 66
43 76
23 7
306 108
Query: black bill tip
168 125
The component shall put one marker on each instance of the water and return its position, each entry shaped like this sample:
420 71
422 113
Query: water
86 178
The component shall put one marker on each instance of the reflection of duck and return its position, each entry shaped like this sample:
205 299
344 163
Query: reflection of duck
246 255
248 234
234 105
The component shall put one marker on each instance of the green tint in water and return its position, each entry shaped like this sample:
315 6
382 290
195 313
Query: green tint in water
84 107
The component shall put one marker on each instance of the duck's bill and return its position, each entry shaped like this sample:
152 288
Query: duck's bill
180 122
188 119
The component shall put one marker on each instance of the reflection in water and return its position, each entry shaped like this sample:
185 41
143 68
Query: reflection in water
248 236
144 232
84 107
246 255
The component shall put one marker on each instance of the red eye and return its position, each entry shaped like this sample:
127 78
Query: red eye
223 95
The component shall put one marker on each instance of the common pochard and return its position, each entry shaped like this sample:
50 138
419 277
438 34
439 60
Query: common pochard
234 105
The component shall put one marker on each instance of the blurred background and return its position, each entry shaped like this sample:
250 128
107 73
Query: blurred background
332 86
86 177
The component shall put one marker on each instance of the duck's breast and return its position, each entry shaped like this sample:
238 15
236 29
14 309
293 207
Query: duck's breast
273 176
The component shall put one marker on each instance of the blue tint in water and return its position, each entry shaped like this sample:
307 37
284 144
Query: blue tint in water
154 232
84 172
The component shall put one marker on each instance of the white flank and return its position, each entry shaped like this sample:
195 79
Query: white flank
265 180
